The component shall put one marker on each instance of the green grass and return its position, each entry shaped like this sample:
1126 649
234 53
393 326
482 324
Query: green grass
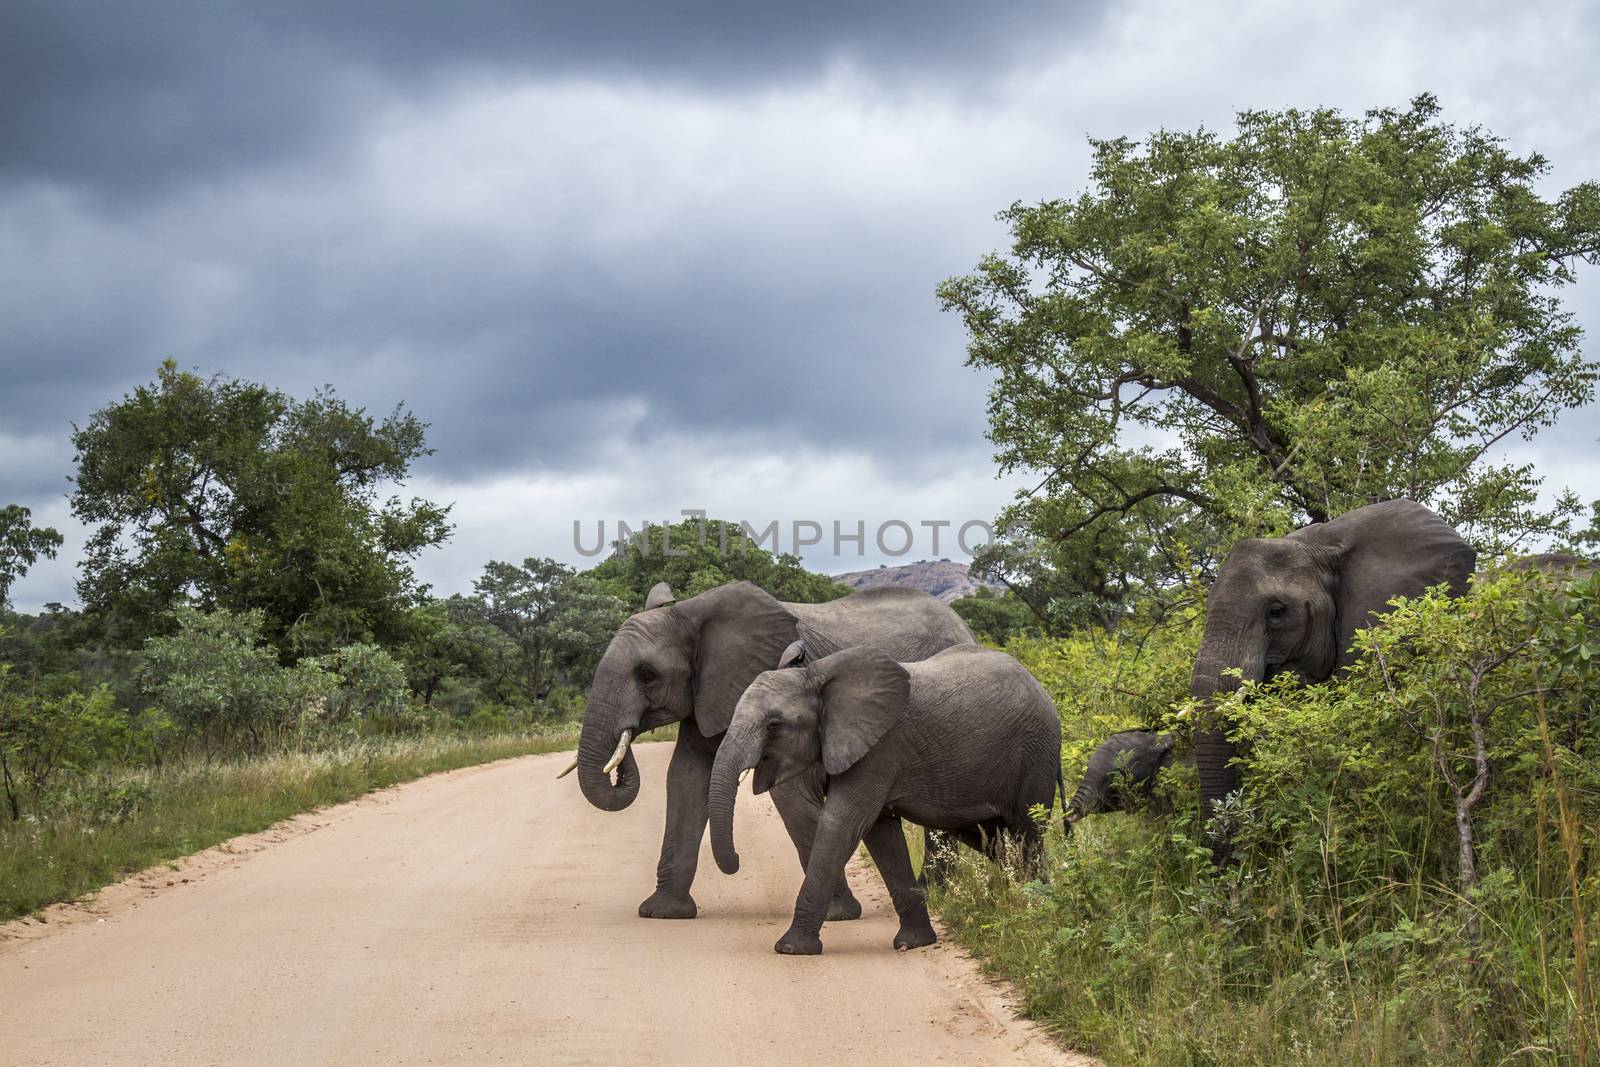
1133 949
116 822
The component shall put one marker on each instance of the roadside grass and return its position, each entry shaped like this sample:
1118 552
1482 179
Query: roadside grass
1130 947
117 821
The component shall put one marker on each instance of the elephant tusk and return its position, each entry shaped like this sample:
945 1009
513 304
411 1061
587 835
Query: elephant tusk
745 774
622 750
570 768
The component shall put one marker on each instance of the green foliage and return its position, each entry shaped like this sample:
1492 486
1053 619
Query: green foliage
994 619
696 555
235 496
558 621
43 738
21 545
225 689
1321 312
372 684
1346 932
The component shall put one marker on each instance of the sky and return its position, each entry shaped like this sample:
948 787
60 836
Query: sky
627 261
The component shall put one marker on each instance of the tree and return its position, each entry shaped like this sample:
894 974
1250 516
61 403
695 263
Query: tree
519 600
21 545
587 612
996 619
225 688
695 555
1225 337
559 621
233 495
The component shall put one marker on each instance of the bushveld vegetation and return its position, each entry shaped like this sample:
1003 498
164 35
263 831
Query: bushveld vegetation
1357 925
1321 312
253 642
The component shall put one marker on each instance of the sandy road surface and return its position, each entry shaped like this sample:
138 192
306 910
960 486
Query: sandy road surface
484 916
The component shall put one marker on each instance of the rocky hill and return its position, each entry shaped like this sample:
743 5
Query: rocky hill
941 578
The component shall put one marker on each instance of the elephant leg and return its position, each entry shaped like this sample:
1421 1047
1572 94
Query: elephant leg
938 853
835 842
688 779
799 804
886 842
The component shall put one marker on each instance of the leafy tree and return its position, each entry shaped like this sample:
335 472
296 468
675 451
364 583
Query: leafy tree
559 621
1234 336
223 687
996 619
372 684
520 601
695 555
233 495
587 612
453 645
21 545
43 736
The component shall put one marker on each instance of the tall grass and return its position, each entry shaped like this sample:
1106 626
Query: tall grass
1132 947
118 821
1348 931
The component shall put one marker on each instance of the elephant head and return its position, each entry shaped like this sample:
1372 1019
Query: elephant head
1124 765
1293 604
674 661
830 712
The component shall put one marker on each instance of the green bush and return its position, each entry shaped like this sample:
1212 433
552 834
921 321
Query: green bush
1396 899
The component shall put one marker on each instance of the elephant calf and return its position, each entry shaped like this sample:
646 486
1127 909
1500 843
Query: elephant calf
965 741
1122 768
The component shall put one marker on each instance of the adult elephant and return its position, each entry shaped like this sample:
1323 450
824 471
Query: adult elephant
689 662
1293 604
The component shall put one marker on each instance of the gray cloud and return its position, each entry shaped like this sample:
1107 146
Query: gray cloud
128 100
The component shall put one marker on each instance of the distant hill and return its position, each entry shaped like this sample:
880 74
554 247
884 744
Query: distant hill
942 578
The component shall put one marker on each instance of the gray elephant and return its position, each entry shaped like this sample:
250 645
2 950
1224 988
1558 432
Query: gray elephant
966 742
689 662
1121 769
1292 605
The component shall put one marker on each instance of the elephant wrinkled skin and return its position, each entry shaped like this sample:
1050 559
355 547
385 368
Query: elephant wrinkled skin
965 742
1292 605
690 661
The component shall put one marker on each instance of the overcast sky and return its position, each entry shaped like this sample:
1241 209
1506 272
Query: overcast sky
627 262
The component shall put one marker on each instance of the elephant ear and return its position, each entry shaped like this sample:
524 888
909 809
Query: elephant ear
1381 551
660 596
740 631
864 693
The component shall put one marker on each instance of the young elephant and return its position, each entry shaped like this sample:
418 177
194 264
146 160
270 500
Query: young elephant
1122 768
965 742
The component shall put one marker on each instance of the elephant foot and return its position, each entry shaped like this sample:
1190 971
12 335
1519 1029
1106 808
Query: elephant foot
664 905
915 935
798 943
843 907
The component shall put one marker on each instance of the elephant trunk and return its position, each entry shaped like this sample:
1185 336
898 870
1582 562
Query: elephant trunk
599 742
1092 796
1214 750
740 750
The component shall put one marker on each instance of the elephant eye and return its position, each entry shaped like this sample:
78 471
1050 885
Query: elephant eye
646 673
1276 612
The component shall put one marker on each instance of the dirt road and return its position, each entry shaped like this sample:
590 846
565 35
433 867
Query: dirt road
484 916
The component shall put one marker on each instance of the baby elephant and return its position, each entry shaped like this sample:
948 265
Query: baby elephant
1123 767
964 742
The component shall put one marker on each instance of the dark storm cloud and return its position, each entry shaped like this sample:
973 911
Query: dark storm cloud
127 99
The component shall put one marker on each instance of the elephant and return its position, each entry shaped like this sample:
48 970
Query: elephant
1292 605
688 662
966 742
1123 767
